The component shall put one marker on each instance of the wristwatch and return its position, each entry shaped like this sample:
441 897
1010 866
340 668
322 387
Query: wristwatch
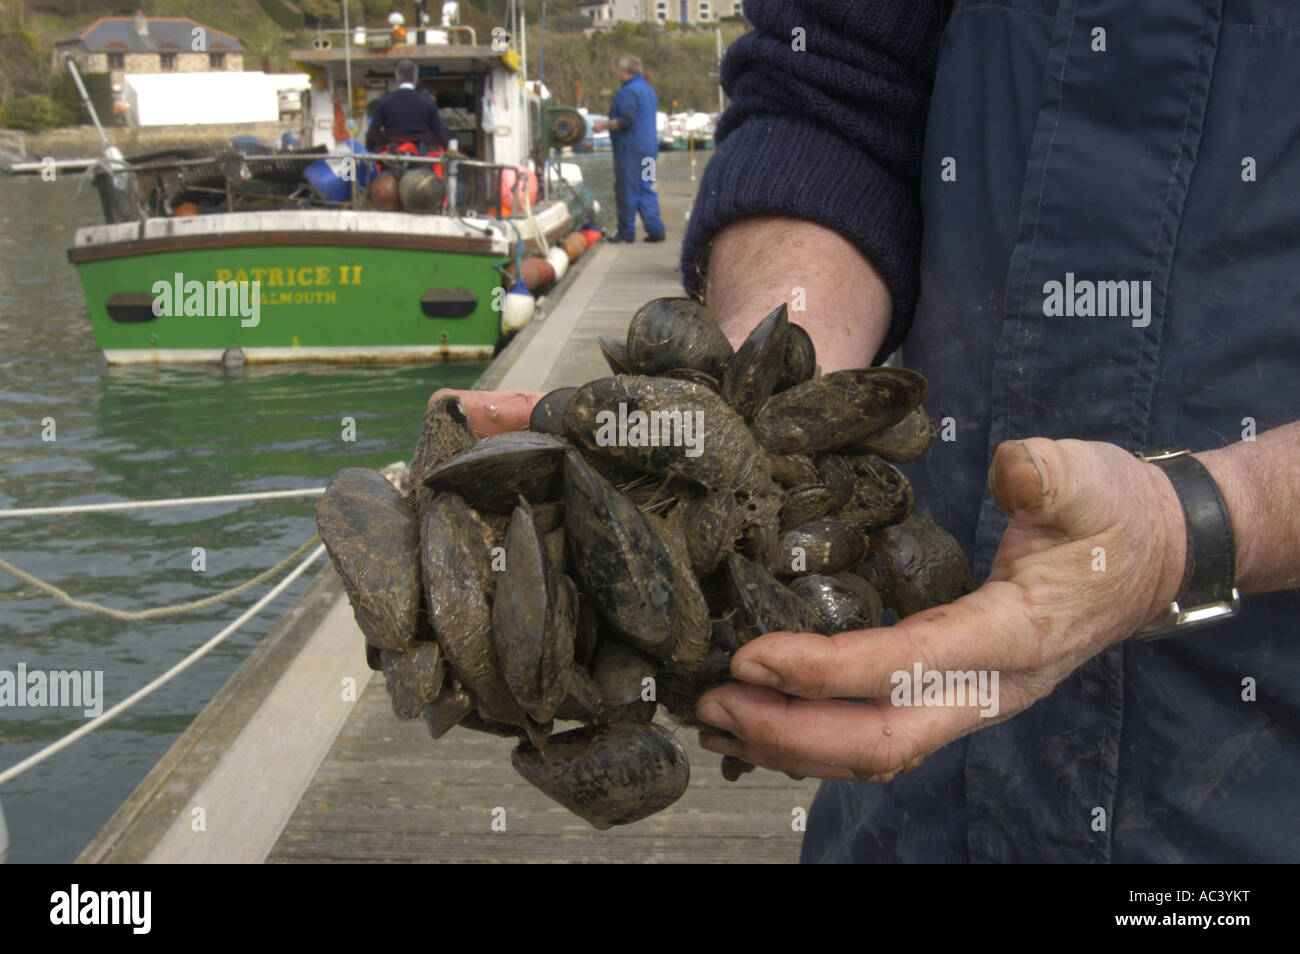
1207 594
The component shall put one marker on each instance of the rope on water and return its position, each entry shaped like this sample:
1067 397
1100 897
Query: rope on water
166 677
158 611
170 502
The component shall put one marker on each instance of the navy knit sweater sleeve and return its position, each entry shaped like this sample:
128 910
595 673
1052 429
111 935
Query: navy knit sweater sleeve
831 132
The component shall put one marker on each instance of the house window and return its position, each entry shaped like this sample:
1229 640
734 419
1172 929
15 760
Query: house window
217 61
167 61
117 61
737 8
704 10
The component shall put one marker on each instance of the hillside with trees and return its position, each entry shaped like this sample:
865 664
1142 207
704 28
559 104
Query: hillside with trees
679 62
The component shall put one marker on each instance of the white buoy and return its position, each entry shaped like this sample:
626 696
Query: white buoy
517 309
559 260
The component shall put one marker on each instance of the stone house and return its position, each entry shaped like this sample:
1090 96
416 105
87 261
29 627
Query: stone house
140 44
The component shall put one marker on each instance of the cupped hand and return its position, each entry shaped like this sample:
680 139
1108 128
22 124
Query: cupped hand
493 412
1094 548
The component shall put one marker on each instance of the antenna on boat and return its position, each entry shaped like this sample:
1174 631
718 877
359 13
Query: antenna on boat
85 98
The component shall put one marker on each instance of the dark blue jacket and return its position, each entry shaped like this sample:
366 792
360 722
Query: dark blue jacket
406 114
1170 156
635 105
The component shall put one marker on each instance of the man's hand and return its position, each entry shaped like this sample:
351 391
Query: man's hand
1047 607
493 412
599 126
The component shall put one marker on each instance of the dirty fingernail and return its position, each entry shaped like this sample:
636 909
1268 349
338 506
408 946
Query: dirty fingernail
1039 466
714 714
756 673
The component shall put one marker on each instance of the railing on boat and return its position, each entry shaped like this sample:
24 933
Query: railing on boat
484 196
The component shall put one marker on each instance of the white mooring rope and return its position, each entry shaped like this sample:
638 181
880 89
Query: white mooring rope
73 736
127 616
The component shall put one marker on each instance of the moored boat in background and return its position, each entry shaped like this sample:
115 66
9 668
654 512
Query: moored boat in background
313 254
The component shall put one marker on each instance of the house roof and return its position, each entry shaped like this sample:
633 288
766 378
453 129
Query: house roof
166 34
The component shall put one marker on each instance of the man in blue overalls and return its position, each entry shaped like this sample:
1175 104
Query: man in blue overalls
636 149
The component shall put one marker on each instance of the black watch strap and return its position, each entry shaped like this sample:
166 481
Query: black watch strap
1207 593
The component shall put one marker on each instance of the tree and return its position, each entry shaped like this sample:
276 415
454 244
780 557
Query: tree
31 114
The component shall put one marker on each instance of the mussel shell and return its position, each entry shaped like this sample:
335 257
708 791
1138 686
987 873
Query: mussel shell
710 526
926 563
883 495
794 470
447 433
620 561
615 352
448 710
533 624
499 469
608 774
758 365
803 504
875 572
582 703
669 334
372 536
555 546
765 605
620 673
837 409
839 606
800 358
903 442
459 583
413 678
690 625
679 689
820 546
837 476
699 437
548 413
761 524
733 768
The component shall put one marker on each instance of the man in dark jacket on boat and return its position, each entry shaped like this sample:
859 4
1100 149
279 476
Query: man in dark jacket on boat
407 115
635 144
1108 265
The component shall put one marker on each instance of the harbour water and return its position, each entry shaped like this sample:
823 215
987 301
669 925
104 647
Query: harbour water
143 433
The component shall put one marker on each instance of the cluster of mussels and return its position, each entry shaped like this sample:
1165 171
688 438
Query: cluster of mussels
615 555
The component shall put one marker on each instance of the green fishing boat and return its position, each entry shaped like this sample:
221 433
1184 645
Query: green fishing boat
280 254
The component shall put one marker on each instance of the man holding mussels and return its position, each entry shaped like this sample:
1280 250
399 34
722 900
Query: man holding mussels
1105 142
